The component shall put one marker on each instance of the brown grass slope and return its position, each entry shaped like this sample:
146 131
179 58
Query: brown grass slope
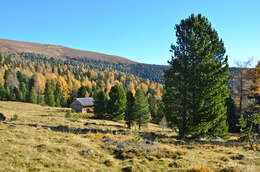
42 139
12 46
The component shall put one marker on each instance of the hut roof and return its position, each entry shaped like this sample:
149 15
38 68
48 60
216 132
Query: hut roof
86 101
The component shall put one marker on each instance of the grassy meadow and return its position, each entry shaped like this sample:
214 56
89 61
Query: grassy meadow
42 139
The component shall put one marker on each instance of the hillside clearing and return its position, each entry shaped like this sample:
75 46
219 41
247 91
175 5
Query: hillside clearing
42 139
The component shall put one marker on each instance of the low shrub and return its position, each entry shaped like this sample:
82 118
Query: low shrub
199 168
68 114
180 164
225 158
14 118
108 163
136 136
2 117
237 157
230 169
181 152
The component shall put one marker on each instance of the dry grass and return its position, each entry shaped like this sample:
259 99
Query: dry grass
35 143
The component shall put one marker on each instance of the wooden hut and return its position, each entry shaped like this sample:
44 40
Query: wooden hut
83 105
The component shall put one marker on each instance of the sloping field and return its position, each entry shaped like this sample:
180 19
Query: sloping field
42 139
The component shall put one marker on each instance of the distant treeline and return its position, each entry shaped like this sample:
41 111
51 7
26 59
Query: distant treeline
145 71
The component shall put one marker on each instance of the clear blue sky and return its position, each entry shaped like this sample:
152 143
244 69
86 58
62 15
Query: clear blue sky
141 30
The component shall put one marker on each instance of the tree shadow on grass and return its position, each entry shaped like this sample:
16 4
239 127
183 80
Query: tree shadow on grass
104 125
145 135
67 129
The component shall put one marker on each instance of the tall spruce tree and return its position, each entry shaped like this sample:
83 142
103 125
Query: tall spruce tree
60 100
160 112
117 103
49 95
232 115
32 96
100 108
129 113
141 109
196 83
153 107
82 91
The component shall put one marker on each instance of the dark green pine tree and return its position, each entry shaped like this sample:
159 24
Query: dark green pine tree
12 96
153 107
7 76
160 112
117 103
100 108
32 96
40 99
49 95
7 93
82 91
59 97
129 113
2 92
23 92
141 109
196 83
232 116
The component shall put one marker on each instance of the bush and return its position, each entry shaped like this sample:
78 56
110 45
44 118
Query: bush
231 169
136 136
108 163
14 118
2 117
68 114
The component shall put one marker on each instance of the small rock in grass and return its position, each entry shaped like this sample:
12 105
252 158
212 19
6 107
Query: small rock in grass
218 138
149 142
127 169
238 157
89 151
201 139
108 163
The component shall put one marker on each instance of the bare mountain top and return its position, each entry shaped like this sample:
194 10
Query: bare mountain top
57 51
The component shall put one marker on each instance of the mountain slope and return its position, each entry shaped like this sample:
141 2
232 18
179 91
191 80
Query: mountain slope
57 51
31 51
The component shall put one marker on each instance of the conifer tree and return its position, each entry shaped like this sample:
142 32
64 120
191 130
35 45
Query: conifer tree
82 91
129 113
153 107
12 95
40 99
6 76
2 92
160 112
23 92
196 83
33 96
59 98
117 103
49 95
232 116
141 109
100 108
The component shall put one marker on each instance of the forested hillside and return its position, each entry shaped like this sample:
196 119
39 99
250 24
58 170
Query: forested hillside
91 60
35 78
